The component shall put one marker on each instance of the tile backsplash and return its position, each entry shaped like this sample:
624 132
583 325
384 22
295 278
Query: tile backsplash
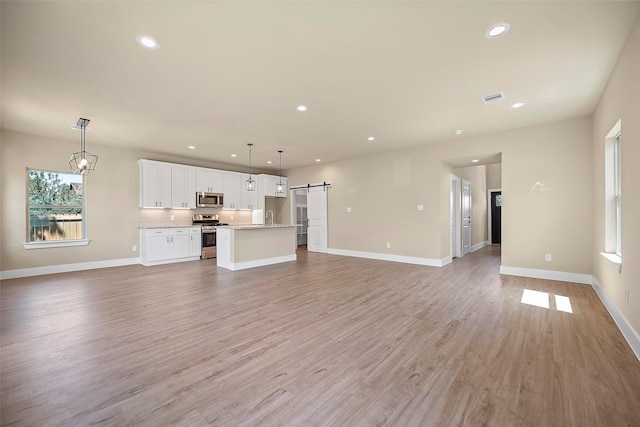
181 217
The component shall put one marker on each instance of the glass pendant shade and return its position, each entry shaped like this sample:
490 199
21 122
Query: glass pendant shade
250 184
82 162
280 185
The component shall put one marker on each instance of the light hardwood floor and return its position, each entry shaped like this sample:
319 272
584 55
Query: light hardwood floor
324 341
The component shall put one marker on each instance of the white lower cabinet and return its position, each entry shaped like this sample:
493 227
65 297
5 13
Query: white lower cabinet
195 241
164 245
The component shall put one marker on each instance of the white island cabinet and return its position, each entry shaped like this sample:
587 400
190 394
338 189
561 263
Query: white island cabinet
247 246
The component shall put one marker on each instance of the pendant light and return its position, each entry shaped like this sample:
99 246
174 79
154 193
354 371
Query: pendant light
82 162
250 184
280 186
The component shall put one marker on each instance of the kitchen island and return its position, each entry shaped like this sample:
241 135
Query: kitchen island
247 246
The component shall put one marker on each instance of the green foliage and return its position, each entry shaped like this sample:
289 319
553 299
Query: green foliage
49 195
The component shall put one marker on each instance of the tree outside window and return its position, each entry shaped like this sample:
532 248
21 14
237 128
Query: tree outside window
56 206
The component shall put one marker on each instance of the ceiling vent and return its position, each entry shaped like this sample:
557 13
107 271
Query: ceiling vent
498 96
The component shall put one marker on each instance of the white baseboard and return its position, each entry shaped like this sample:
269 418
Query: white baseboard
479 246
625 327
390 257
65 268
561 276
235 266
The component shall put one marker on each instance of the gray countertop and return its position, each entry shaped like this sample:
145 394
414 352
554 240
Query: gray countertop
166 226
255 226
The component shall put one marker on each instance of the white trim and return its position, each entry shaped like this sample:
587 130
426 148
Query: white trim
390 257
55 244
561 276
614 260
235 266
455 191
65 268
479 246
625 327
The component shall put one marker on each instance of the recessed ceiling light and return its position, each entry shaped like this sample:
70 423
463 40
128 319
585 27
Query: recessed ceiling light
458 131
371 138
148 42
234 155
317 160
269 161
301 108
517 105
475 161
497 30
191 147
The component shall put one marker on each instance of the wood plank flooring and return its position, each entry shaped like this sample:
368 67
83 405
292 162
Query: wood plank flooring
323 341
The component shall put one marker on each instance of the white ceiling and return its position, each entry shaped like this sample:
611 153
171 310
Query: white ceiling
230 73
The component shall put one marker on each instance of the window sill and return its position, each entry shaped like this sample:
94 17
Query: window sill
614 260
56 244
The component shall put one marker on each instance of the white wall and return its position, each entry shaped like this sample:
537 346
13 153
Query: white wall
546 182
620 101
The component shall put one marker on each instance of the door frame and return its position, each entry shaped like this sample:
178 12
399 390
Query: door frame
489 191
455 207
462 218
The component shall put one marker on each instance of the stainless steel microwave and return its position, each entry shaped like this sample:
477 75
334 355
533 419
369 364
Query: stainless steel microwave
209 200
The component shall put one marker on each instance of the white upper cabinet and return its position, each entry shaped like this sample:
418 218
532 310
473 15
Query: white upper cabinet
183 187
249 198
169 185
269 183
155 185
209 180
232 186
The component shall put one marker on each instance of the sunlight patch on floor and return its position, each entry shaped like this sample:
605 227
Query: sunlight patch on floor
541 299
563 304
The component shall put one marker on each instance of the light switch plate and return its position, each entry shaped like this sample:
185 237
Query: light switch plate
349 210
420 207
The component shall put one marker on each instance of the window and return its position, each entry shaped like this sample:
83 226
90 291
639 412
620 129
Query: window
617 194
613 195
56 211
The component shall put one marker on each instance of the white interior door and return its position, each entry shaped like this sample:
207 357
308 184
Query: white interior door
317 216
466 216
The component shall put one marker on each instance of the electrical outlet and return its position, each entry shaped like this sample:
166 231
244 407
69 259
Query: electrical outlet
231 218
134 248
172 218
349 210
388 245
547 257
420 208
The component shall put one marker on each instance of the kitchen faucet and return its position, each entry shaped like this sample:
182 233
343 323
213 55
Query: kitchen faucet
267 215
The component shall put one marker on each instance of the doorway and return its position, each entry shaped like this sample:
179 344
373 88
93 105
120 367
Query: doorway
309 213
301 219
494 216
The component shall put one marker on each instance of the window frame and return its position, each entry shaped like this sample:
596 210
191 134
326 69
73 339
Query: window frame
613 197
617 192
38 244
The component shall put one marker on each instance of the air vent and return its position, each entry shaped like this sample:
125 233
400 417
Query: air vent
498 96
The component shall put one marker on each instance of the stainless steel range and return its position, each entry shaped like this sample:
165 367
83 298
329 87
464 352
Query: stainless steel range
209 224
